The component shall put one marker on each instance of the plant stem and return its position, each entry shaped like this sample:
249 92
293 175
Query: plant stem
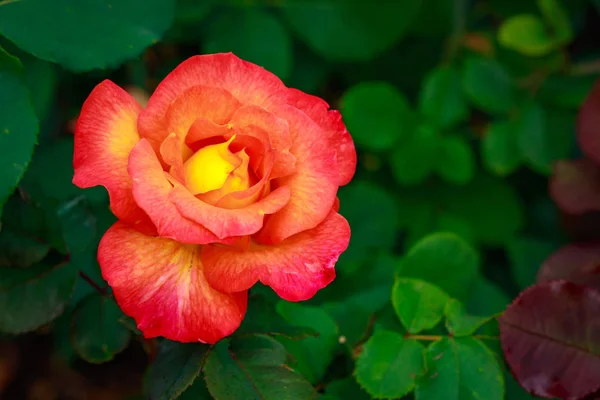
93 284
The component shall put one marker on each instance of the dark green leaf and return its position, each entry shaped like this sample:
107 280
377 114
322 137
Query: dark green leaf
312 355
85 35
346 389
442 99
349 30
18 123
256 369
18 250
419 305
78 224
456 161
558 20
373 215
263 318
415 159
97 333
389 365
376 113
35 296
258 37
488 85
174 369
442 259
486 298
198 391
462 368
526 256
492 208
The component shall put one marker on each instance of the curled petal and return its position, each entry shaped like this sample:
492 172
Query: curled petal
331 122
296 268
151 190
160 283
210 103
228 222
313 186
105 134
247 82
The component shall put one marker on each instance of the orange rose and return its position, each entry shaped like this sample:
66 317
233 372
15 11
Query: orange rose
226 178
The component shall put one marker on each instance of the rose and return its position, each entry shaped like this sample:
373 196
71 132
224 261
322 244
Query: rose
226 178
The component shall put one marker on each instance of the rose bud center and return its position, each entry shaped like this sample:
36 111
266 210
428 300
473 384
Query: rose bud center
215 168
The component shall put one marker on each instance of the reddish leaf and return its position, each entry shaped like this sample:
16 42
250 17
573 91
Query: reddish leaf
575 186
588 124
551 340
578 263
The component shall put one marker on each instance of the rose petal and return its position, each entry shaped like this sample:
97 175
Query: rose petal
151 189
105 134
160 283
228 222
331 121
247 82
313 186
296 268
196 102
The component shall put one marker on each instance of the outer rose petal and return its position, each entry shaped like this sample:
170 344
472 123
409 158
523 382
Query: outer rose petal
296 268
331 121
160 283
247 82
314 185
105 134
151 189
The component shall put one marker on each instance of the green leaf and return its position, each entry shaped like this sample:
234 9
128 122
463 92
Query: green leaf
566 91
526 34
85 35
544 136
488 85
389 365
459 323
442 259
526 256
41 78
19 250
258 37
376 113
419 305
373 215
97 334
18 124
456 161
414 160
500 152
34 296
441 98
446 222
263 318
256 369
174 369
312 355
349 30
463 368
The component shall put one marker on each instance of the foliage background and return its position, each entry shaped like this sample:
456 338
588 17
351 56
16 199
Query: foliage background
458 109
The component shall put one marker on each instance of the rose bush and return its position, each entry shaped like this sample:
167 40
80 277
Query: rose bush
226 178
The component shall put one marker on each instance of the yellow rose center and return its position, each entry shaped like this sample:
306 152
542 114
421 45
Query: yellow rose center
215 167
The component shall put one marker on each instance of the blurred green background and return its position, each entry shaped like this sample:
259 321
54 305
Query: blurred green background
458 109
